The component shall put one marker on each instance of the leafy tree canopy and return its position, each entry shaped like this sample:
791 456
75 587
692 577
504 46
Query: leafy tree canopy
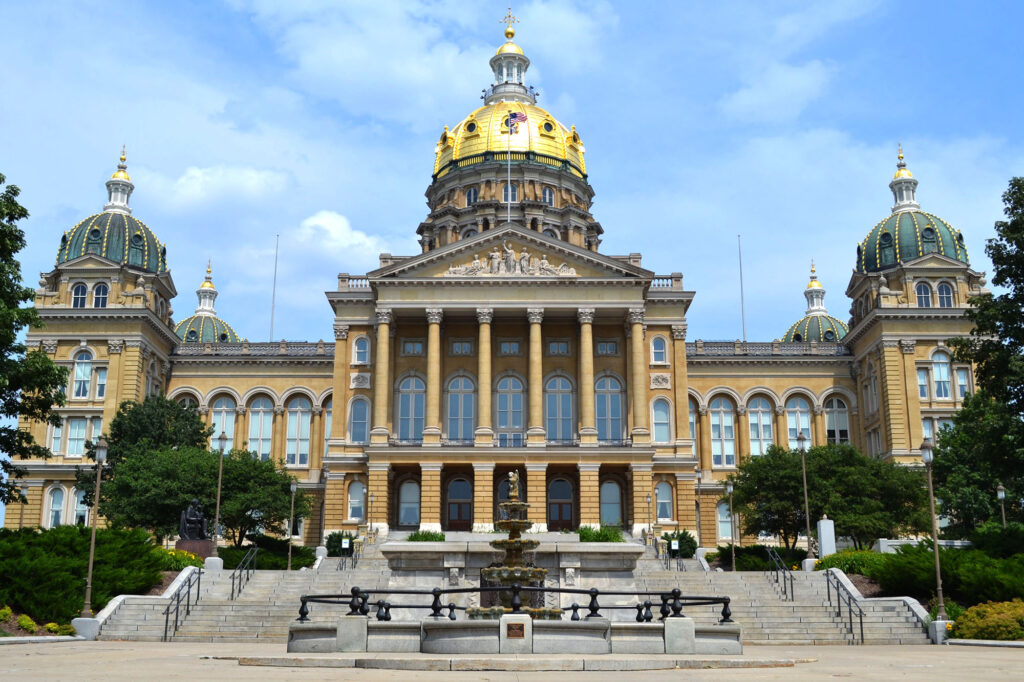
30 383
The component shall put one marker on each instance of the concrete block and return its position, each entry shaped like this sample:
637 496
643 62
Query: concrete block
520 626
392 636
807 565
321 552
588 636
937 631
308 638
88 628
444 636
351 633
213 563
680 636
638 638
719 639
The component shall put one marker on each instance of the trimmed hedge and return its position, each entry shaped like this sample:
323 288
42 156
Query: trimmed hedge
996 541
969 576
27 624
687 543
273 554
426 536
992 620
602 534
857 561
755 557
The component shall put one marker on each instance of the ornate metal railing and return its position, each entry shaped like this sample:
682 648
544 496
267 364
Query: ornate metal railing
182 595
833 584
516 157
360 602
243 571
701 348
781 574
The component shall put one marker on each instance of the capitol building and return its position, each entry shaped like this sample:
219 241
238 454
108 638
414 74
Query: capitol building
510 341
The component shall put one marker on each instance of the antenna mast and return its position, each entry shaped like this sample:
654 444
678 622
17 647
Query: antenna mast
273 291
743 308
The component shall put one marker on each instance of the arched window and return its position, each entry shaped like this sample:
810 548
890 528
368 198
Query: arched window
460 504
328 418
888 254
469 232
81 509
945 296
659 354
611 504
222 414
724 522
99 295
472 195
411 402
409 504
560 504
55 512
83 374
94 243
361 351
510 412
940 374
663 497
461 409
297 443
692 408
135 250
154 386
660 421
798 421
924 295
78 296
261 426
608 409
359 421
759 414
928 240
506 190
837 421
356 501
723 433
551 233
558 409
547 195
188 402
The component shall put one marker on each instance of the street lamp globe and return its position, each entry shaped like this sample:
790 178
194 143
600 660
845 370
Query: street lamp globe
801 442
728 488
926 451
1000 492
222 442
101 450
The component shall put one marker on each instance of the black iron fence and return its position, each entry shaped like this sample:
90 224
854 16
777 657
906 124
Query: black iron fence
670 604
183 596
843 595
781 574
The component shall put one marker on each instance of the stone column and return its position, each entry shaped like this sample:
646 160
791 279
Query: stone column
378 487
484 432
277 434
742 434
643 513
535 433
684 439
430 496
432 425
588 424
483 497
684 502
781 427
705 437
914 428
335 506
380 432
537 494
590 494
339 420
818 429
316 437
641 433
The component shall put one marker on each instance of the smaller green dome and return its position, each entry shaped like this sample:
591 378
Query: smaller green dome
119 237
206 329
906 235
820 328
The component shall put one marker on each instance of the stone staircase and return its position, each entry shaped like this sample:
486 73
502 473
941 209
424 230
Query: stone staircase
758 606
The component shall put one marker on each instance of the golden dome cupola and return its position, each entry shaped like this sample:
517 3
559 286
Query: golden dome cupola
904 187
204 326
816 324
509 65
119 188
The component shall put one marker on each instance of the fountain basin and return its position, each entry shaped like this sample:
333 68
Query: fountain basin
515 545
510 575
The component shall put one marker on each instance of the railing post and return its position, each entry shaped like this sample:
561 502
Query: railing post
664 606
575 611
517 601
303 610
593 606
677 604
648 616
353 605
435 606
640 613
726 612
451 610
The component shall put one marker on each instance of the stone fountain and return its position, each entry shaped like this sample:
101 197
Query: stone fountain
513 568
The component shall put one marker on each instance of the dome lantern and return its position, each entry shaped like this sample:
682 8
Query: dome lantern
119 188
509 65
904 187
816 324
203 326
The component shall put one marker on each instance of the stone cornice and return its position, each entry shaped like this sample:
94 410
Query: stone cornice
100 315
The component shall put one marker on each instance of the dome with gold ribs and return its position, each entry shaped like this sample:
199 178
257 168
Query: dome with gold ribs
204 326
816 324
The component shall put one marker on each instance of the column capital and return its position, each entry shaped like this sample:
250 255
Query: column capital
585 315
113 346
741 409
483 466
278 410
383 315
340 332
636 315
536 466
484 315
434 315
430 466
535 315
907 345
641 467
240 409
378 466
588 466
679 332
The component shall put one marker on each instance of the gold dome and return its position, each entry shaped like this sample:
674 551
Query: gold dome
509 48
484 130
208 282
901 167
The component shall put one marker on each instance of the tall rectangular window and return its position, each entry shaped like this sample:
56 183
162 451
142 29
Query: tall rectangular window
922 383
963 385
76 436
55 437
97 429
101 383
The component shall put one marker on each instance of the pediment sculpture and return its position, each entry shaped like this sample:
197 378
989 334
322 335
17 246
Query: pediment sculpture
508 264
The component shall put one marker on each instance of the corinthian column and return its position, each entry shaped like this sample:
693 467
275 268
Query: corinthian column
382 380
484 433
641 434
432 427
535 433
588 428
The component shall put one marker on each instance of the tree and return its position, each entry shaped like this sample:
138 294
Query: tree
30 383
867 498
256 495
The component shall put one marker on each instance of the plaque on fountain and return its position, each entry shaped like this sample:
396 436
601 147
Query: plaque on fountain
515 630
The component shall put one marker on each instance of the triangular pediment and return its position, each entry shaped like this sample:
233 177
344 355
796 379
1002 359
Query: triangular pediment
507 253
934 260
89 261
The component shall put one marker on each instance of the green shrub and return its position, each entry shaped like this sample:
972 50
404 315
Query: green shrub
426 536
66 630
176 559
27 624
755 557
5 614
953 610
969 576
855 561
333 543
687 543
602 534
269 559
52 628
992 620
996 541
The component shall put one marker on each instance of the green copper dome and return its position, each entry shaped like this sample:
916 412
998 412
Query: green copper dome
206 329
907 235
820 328
116 236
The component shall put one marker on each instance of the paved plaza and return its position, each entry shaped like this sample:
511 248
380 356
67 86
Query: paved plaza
193 661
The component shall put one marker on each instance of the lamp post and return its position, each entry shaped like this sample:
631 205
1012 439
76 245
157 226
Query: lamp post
291 520
926 457
696 504
24 501
801 443
369 518
732 523
650 528
222 444
101 457
1001 495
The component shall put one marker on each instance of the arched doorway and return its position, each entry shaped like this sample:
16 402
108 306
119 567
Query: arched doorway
502 496
460 504
560 505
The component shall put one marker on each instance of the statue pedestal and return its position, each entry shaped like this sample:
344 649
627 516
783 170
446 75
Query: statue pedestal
201 548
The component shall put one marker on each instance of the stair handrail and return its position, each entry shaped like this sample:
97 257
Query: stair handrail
176 601
781 574
843 594
243 571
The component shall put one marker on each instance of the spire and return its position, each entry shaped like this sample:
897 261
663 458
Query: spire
903 186
119 188
509 65
815 295
207 294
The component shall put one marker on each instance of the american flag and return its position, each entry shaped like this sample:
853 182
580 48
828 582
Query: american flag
513 120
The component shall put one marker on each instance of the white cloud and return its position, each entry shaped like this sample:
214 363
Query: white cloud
334 236
778 93
200 186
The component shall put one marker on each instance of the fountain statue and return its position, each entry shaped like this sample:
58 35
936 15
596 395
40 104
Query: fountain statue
513 569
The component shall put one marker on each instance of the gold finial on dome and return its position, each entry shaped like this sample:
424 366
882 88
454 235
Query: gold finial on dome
122 170
901 165
508 21
123 157
208 282
814 283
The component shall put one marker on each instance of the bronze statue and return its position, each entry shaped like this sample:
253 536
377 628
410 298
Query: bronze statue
513 485
193 523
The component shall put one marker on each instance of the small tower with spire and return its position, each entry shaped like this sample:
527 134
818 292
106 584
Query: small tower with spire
815 295
904 187
509 65
207 294
119 188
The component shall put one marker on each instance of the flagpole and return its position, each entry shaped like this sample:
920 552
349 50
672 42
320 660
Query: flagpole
508 203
